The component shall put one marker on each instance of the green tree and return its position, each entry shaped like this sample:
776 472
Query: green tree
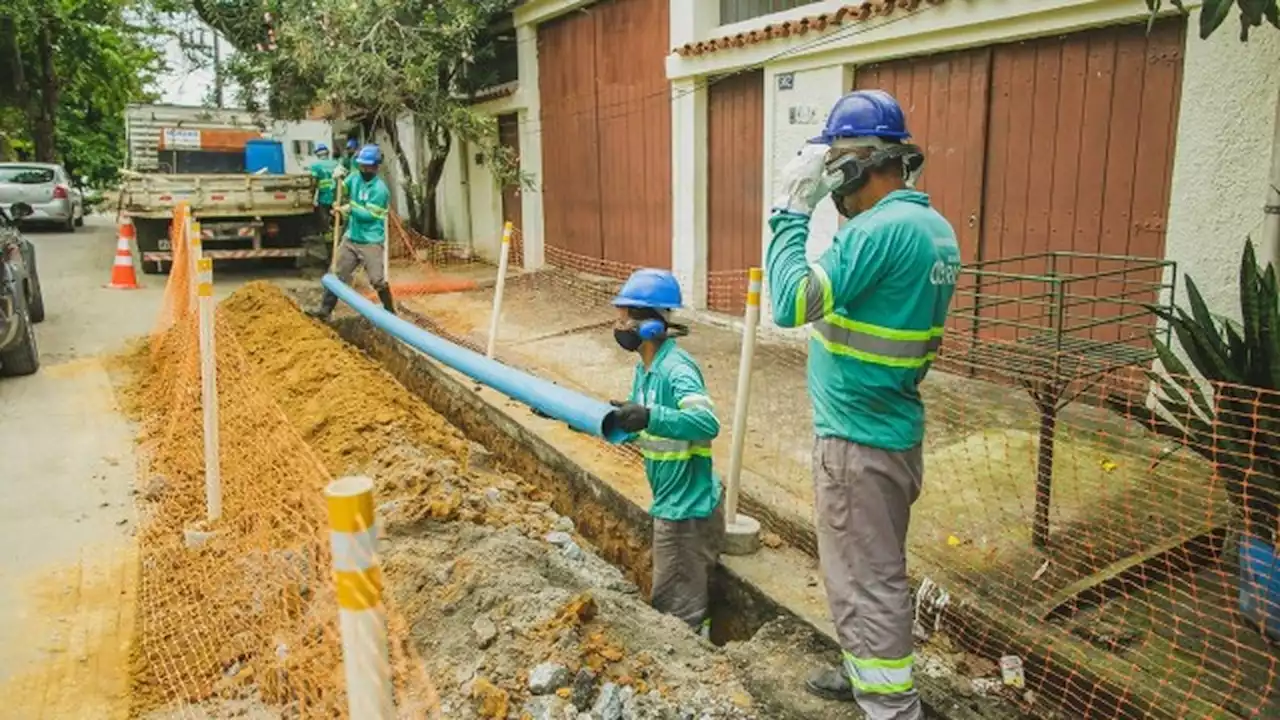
76 65
1213 13
373 62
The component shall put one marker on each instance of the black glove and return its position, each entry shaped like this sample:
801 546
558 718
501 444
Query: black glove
631 417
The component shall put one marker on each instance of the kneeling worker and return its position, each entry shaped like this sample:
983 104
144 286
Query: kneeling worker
365 239
674 422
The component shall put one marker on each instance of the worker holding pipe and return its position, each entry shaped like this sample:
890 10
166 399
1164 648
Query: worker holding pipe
877 301
673 421
368 202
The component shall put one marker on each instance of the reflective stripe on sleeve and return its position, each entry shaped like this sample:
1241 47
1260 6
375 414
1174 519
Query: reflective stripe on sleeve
874 676
660 449
878 345
814 298
696 401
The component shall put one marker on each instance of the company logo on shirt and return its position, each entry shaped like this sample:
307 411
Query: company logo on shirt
944 273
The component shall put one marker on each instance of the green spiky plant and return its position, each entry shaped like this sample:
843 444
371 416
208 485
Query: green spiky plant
1236 423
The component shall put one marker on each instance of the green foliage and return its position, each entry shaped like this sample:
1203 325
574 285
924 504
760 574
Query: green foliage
1215 12
80 63
373 62
1236 422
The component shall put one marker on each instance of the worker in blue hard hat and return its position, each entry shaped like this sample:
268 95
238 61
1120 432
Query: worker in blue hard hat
877 302
322 170
349 156
364 242
673 421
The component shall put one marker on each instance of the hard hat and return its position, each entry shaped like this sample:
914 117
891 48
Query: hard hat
864 113
369 155
352 144
321 147
650 288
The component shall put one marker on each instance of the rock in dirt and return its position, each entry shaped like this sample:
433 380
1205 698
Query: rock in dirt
547 678
609 704
480 458
558 538
154 489
584 687
563 524
486 632
545 707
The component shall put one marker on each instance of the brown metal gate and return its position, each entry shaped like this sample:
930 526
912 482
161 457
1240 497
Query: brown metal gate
512 212
606 133
735 186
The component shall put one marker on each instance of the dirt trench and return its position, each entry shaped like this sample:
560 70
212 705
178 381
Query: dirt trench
511 609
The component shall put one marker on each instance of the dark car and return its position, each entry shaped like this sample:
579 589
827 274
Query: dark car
21 303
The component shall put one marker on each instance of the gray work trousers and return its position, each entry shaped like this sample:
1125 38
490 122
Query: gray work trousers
864 497
684 556
352 255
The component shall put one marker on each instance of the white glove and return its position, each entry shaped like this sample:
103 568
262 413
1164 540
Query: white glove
804 181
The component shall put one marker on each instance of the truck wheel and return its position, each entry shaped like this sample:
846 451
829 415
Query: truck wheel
158 267
70 224
24 357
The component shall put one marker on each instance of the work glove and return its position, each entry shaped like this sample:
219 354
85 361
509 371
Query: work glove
804 181
340 210
632 418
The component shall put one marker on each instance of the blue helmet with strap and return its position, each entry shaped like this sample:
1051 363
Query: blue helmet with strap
352 144
650 289
321 148
369 155
866 130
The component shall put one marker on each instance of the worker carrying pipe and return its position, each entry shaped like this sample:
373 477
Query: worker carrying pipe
673 421
368 202
876 301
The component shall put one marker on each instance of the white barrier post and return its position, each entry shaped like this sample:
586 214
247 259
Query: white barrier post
365 656
209 388
195 249
503 257
742 533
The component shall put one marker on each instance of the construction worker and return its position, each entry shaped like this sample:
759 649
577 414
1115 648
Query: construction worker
349 156
323 172
877 302
364 241
673 422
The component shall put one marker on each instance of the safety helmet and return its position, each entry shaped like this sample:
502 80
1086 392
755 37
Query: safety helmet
865 113
321 148
369 155
352 144
650 288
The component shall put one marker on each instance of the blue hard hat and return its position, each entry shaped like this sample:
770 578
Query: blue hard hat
650 288
865 113
352 144
369 155
321 147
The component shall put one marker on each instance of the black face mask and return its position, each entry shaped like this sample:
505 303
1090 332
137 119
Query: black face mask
628 340
368 174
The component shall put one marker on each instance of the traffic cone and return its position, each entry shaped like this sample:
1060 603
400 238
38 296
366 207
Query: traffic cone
123 276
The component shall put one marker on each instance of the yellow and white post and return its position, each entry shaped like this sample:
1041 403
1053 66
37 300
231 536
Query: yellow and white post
196 251
365 657
742 533
209 386
503 258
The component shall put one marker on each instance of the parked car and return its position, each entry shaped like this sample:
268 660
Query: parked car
47 189
21 302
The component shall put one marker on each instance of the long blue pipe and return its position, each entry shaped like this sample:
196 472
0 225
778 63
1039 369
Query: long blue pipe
582 413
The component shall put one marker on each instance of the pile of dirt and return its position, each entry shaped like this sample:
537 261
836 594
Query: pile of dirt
499 590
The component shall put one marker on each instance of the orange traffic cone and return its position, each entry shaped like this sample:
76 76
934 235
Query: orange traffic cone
123 276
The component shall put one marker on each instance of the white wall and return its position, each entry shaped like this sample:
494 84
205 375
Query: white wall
1222 159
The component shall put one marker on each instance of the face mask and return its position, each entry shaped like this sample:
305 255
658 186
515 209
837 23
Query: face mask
628 340
368 174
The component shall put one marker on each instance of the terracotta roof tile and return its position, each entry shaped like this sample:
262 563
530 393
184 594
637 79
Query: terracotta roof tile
824 22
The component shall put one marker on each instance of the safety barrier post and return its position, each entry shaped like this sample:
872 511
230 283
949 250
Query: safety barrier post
209 388
503 257
365 655
196 251
742 533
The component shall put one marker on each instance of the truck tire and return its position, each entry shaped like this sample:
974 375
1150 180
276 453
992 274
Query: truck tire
149 234
24 357
159 267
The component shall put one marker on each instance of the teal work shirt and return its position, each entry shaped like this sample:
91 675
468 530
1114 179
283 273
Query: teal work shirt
677 443
369 201
322 171
877 303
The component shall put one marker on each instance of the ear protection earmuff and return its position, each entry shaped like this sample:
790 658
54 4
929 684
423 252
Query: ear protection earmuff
850 172
651 329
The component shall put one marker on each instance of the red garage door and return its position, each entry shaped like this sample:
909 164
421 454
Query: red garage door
735 186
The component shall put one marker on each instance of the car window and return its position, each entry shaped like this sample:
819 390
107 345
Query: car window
19 175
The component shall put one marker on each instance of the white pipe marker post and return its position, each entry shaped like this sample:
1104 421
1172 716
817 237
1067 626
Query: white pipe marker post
503 258
353 537
742 533
195 250
209 388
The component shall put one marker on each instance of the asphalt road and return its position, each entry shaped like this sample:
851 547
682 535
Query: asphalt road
67 468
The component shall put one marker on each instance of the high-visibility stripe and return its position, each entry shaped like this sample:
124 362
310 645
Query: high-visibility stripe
374 210
696 401
875 676
204 289
755 281
325 184
350 513
878 345
667 450
359 590
814 298
354 551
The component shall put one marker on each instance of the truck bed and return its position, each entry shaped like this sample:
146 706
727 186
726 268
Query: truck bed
147 195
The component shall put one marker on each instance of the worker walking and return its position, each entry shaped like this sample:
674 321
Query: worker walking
673 421
364 241
323 171
877 301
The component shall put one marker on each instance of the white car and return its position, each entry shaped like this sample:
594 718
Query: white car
47 189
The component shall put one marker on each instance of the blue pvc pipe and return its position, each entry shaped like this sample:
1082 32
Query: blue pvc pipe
582 413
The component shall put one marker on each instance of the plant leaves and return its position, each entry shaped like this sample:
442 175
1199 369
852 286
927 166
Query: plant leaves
1201 353
1269 325
1203 318
1178 372
1212 15
1249 295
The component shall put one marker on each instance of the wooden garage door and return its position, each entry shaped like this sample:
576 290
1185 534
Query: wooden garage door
606 114
512 212
1080 158
735 185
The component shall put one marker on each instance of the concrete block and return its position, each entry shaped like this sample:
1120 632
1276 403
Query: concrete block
742 536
